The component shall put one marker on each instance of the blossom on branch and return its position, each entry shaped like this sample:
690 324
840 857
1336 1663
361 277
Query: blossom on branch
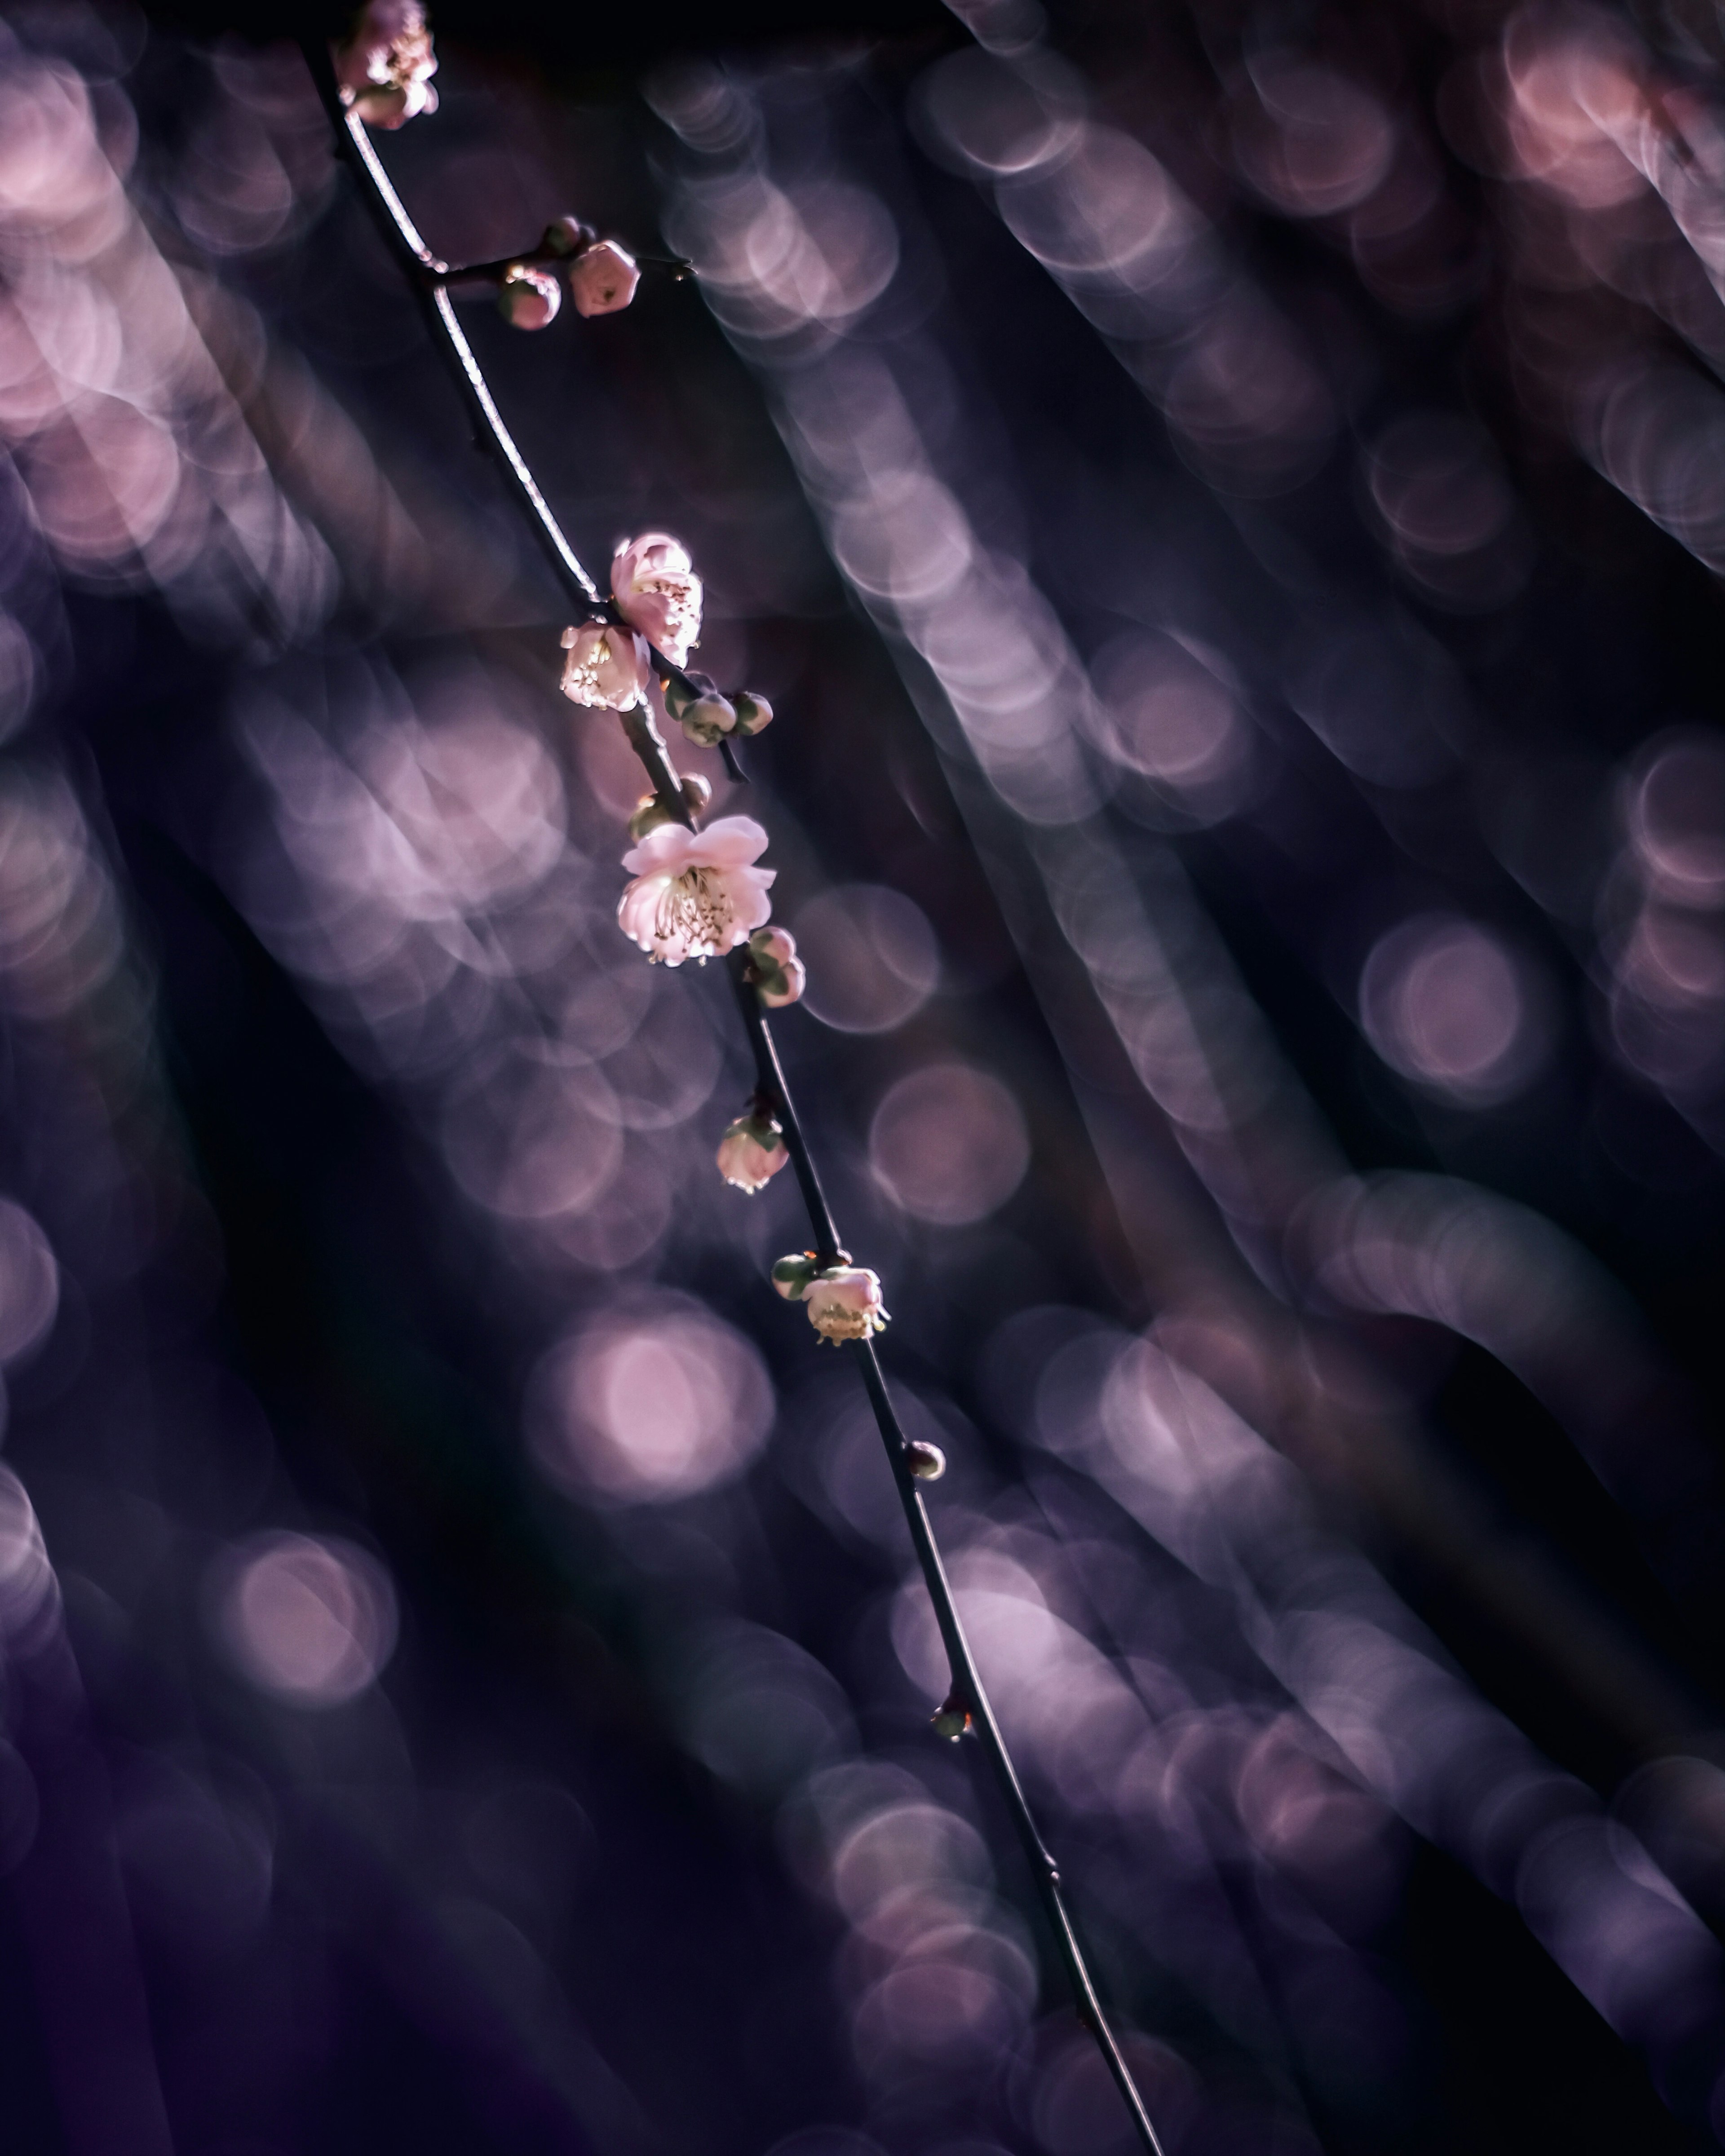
385 68
653 582
603 278
778 972
696 894
844 1301
752 1153
607 668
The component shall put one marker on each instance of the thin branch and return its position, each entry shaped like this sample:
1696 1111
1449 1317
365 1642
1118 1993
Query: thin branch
428 276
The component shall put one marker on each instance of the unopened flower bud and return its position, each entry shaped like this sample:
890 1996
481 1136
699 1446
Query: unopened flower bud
951 1718
384 105
752 1153
778 973
708 719
926 1462
754 712
791 1276
603 278
845 1302
528 299
683 690
568 235
650 812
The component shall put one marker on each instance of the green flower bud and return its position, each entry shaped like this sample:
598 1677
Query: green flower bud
566 235
754 712
793 1276
707 722
926 1462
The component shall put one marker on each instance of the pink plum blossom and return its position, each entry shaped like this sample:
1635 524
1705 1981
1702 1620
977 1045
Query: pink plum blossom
385 68
607 668
752 1153
657 591
845 1302
696 894
603 279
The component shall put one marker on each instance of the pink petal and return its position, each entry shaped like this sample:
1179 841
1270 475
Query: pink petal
732 842
665 850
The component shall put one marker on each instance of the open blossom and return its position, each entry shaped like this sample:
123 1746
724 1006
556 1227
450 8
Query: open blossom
752 1153
779 974
607 667
602 279
696 894
653 582
845 1302
385 68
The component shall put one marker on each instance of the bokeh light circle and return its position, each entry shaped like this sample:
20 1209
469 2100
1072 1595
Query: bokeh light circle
312 1620
29 1282
1445 1002
1676 818
872 958
948 1144
651 1400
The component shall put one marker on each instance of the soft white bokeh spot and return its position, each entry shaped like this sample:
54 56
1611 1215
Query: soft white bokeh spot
1444 1002
872 958
654 1398
310 1619
948 1144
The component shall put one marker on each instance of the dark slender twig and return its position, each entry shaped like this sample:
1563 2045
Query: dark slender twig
494 273
428 276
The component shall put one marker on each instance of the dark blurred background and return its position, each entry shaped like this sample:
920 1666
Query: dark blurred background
1228 501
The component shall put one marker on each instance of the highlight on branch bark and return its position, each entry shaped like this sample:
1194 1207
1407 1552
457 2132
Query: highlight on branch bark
695 892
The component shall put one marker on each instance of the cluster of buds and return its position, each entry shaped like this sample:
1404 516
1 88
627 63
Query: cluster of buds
601 276
843 1301
385 68
775 967
752 1150
706 716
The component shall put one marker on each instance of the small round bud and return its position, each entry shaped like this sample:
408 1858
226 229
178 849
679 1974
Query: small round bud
754 712
382 105
683 690
708 719
528 299
778 973
951 1718
792 1275
696 792
752 1153
568 235
649 813
926 1462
